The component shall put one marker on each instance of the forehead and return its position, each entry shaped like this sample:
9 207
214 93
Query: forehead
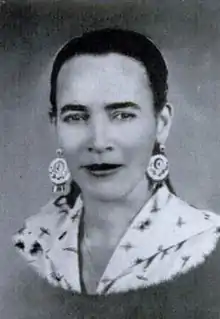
103 78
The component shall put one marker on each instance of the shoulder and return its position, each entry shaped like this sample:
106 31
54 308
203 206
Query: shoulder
194 215
200 286
46 218
202 228
195 294
39 231
191 294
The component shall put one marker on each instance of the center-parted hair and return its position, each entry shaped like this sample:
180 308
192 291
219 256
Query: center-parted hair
125 42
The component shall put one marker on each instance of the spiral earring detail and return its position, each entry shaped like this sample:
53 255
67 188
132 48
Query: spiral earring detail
158 167
59 173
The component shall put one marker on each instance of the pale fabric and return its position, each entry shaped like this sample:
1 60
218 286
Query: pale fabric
166 238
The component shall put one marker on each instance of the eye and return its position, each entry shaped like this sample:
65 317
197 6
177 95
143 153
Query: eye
123 116
75 117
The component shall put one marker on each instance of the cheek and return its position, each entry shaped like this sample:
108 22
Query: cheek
70 139
139 143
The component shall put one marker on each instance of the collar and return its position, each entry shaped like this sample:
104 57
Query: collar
167 237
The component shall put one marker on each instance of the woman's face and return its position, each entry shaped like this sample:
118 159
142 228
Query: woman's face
105 115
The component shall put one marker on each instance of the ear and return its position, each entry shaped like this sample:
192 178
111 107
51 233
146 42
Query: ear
164 121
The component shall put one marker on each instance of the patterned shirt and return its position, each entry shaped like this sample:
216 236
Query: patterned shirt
167 238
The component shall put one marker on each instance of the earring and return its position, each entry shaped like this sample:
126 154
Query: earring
158 168
59 173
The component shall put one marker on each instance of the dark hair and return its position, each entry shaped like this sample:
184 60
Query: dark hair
125 42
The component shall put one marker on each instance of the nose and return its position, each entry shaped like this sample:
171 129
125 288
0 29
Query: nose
100 140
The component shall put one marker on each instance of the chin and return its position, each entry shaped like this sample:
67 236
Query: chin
104 194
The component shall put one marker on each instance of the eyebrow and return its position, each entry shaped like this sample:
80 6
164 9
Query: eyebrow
108 107
73 107
121 105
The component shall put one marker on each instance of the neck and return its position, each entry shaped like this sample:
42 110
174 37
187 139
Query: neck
106 222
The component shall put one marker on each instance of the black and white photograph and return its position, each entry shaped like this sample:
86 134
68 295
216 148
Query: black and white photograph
110 135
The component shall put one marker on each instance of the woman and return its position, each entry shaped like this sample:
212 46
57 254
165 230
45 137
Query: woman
120 227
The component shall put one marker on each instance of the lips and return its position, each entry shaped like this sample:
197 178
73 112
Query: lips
103 169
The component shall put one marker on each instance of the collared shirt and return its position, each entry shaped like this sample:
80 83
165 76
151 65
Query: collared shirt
167 238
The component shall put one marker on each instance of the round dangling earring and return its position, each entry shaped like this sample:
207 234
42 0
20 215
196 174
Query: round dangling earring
158 168
59 173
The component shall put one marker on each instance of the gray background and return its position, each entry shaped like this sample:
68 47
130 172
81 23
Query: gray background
188 33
